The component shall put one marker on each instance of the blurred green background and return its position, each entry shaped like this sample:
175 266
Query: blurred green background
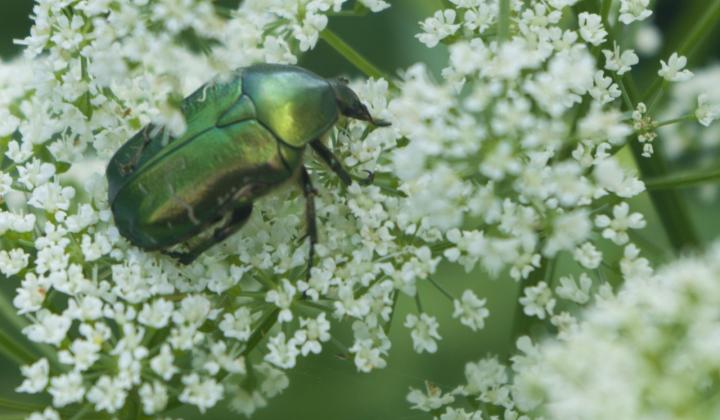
326 387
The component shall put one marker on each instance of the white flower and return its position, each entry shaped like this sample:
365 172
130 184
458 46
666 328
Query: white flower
314 332
278 51
430 400
367 356
157 313
569 229
282 353
634 10
604 90
674 70
35 173
375 5
538 301
438 27
648 39
162 364
274 381
13 262
51 197
49 328
484 376
620 62
459 414
424 332
203 394
634 267
107 394
576 292
194 310
36 377
81 354
309 31
66 389
238 324
154 397
707 111
47 414
616 228
471 310
588 255
591 28
282 297
610 176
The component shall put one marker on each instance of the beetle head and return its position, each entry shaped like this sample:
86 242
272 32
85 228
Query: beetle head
350 105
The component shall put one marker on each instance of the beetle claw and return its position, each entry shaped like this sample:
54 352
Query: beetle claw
184 258
370 178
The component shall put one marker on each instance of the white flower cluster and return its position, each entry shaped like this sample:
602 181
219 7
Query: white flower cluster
658 334
124 322
503 144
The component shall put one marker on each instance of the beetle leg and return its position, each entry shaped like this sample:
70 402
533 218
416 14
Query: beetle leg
309 193
334 163
132 163
237 219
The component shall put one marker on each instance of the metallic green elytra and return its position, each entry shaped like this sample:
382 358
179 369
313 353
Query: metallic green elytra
245 136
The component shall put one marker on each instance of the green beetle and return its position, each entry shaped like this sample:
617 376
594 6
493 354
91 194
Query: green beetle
245 136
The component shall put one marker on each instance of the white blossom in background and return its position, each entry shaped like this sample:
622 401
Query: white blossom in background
648 39
438 27
634 10
659 334
707 111
674 70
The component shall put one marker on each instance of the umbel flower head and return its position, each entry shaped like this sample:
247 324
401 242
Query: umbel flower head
647 352
659 334
506 163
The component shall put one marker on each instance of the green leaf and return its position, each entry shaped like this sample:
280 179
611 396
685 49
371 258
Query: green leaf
685 179
353 56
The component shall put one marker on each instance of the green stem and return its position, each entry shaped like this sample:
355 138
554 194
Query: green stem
82 412
417 301
704 26
7 312
13 405
14 350
684 118
684 179
344 351
503 24
261 331
441 289
388 324
352 55
605 13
